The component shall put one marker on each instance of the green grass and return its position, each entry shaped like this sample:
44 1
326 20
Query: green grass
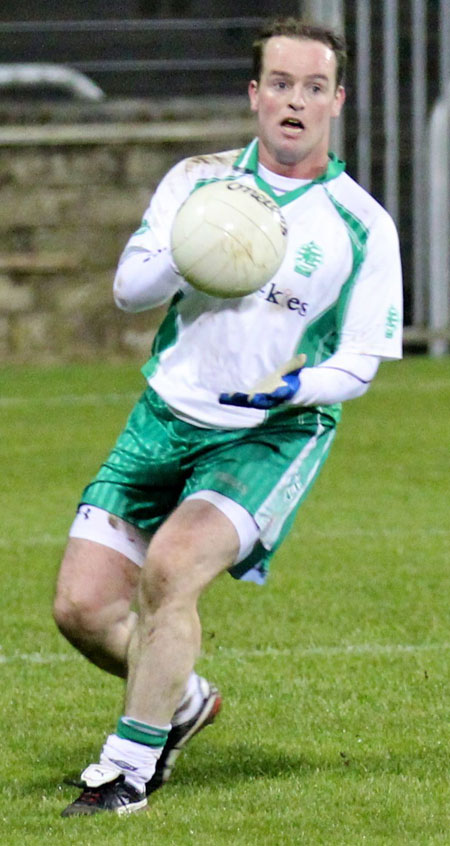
335 727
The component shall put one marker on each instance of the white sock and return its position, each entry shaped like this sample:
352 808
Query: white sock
196 691
136 760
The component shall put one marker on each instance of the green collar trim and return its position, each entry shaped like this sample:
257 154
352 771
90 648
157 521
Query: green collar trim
248 158
248 162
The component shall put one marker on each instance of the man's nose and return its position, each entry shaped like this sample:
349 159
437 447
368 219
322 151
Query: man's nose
297 100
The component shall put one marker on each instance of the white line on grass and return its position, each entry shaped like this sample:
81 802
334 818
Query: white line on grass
230 653
33 540
48 539
427 531
330 651
69 399
110 398
38 658
428 387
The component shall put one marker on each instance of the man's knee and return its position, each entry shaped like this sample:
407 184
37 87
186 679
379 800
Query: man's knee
164 579
74 615
94 590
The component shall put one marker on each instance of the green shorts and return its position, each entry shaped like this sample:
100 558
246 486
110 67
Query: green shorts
159 460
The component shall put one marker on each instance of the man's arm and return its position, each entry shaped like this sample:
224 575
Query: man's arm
146 276
341 377
145 279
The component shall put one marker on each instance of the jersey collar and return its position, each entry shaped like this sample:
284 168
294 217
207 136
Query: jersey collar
247 161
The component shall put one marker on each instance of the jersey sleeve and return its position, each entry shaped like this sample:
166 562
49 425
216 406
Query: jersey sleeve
373 315
146 276
154 231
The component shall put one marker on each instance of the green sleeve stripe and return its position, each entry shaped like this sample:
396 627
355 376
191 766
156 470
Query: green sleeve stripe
321 338
359 234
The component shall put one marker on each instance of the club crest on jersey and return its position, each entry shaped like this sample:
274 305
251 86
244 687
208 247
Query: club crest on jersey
308 258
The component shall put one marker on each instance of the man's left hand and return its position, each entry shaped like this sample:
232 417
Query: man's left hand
275 389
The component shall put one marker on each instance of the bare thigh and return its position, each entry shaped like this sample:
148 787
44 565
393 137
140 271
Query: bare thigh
194 545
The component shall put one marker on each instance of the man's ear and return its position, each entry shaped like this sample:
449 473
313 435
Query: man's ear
339 100
253 94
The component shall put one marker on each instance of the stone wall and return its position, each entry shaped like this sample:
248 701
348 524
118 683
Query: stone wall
72 189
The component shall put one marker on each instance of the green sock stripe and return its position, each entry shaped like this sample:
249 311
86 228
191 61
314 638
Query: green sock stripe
139 732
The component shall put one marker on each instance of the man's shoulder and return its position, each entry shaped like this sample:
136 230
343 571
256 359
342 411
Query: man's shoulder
357 200
210 165
180 180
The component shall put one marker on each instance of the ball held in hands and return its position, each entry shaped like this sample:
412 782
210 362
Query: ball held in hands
228 239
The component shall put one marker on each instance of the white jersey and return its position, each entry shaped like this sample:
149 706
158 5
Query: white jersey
338 290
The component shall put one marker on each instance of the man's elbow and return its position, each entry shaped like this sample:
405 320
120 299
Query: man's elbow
121 299
124 304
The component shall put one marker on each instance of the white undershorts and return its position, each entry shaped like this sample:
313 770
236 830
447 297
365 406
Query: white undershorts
95 524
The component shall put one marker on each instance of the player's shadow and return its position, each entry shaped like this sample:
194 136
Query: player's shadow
220 766
229 764
238 762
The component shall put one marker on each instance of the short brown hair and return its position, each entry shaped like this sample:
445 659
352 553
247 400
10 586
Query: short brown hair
296 28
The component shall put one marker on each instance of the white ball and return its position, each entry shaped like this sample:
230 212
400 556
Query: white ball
228 239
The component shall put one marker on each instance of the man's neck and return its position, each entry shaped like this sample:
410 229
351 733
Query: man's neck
298 170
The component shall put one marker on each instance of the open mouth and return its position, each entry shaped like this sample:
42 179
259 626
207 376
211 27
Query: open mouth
292 123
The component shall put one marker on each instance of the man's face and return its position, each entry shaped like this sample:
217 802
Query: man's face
295 99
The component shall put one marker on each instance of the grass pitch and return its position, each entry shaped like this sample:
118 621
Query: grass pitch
335 726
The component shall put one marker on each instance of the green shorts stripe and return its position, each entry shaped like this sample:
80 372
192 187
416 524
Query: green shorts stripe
293 487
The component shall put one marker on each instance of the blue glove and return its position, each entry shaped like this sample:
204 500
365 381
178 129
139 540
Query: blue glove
275 389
